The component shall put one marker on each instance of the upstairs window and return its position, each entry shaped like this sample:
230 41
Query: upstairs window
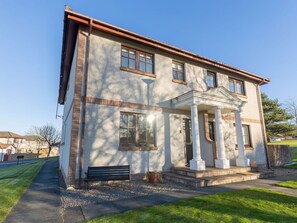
178 71
211 79
137 129
236 86
137 60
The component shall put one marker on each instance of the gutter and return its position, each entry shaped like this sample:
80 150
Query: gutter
264 134
84 102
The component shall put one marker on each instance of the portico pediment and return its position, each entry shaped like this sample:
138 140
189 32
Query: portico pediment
214 97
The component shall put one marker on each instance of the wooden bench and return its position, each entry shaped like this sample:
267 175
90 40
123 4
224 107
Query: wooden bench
107 173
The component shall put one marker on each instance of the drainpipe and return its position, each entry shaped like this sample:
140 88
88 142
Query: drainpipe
263 122
84 101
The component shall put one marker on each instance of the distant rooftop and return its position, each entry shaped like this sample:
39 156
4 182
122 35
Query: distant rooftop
6 134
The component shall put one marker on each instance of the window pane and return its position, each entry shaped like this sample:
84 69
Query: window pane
142 66
124 52
142 128
131 122
123 136
142 57
239 87
210 80
149 59
180 75
124 121
124 62
174 73
131 54
132 64
179 67
149 68
131 136
231 86
246 135
174 66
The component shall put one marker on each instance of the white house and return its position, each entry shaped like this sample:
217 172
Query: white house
6 150
129 99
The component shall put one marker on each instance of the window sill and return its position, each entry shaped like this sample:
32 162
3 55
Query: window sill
138 72
137 148
240 95
179 82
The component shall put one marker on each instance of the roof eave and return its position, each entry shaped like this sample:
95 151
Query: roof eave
108 28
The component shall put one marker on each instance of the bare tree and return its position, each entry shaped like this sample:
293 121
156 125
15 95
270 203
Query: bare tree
48 134
291 107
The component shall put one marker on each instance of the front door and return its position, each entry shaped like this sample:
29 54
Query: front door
188 140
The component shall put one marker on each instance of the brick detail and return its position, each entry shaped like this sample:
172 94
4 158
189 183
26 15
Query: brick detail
76 110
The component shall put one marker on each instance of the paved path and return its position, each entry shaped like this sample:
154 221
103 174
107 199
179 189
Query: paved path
41 201
79 214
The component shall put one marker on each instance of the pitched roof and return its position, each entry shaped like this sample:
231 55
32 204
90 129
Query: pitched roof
7 134
72 20
4 146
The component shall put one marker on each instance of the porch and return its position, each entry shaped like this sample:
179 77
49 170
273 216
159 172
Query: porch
216 101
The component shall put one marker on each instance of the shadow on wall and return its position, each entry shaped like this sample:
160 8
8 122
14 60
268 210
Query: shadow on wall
102 122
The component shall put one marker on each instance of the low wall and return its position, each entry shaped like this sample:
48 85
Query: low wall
279 155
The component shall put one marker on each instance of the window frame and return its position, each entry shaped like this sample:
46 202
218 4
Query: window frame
214 74
235 81
183 81
138 61
249 144
138 145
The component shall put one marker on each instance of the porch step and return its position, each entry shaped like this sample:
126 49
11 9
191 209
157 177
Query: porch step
216 180
209 172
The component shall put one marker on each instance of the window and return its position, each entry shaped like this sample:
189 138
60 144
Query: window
246 135
178 71
236 86
137 129
211 129
137 60
211 79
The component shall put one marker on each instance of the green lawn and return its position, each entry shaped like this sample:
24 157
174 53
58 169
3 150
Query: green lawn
292 144
289 184
13 182
251 205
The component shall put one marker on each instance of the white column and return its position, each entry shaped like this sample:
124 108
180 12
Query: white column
221 162
242 160
196 163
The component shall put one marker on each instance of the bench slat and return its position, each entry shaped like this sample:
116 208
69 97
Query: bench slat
106 173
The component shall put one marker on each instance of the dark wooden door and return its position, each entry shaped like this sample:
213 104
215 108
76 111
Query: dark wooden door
188 140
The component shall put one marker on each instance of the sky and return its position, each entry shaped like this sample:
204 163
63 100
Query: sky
256 36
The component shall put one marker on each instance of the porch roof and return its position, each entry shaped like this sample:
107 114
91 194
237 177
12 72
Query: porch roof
214 97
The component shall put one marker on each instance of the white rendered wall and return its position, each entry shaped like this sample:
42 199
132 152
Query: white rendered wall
67 118
107 81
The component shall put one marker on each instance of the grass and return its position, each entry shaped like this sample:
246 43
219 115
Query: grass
289 184
250 205
293 147
13 182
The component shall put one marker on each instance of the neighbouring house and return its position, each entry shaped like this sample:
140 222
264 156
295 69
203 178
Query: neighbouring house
28 144
7 137
129 99
6 150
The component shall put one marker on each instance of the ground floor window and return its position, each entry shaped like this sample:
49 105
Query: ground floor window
137 129
246 135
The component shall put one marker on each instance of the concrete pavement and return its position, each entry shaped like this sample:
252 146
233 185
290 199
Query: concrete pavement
41 201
